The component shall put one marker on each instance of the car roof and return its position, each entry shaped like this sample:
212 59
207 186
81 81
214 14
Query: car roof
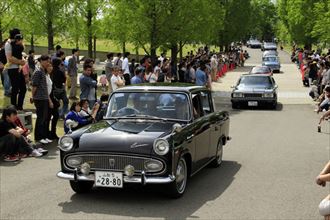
258 75
179 87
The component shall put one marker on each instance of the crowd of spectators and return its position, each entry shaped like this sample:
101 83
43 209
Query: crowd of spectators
53 81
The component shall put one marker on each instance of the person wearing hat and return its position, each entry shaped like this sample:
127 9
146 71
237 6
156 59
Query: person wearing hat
13 49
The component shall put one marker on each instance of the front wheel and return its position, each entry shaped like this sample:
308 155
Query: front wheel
81 186
177 188
218 156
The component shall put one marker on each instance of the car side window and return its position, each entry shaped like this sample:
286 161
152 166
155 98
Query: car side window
206 103
197 108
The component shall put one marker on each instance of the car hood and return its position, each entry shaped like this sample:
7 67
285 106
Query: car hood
270 63
253 89
123 136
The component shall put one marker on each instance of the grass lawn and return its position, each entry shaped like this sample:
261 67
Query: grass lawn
103 45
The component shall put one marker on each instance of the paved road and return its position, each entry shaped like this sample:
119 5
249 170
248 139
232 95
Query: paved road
268 173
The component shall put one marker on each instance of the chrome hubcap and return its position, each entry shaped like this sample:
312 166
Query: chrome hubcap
181 175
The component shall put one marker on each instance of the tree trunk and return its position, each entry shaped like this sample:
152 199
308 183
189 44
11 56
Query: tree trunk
32 42
50 29
124 47
1 30
174 60
94 55
137 55
89 29
180 52
153 35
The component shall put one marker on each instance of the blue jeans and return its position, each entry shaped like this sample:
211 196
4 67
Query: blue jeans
64 110
6 82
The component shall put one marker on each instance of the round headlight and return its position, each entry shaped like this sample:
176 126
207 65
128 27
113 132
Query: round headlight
65 143
85 168
129 170
74 161
161 146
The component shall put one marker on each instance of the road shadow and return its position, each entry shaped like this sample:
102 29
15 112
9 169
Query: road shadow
245 68
279 107
150 201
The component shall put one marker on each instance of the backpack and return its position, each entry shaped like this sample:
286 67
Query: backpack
3 58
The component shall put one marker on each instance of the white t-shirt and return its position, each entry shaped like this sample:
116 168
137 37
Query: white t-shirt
49 84
9 50
114 80
125 66
153 78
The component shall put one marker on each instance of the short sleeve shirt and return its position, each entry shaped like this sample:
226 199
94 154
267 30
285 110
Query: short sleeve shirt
114 80
8 51
5 127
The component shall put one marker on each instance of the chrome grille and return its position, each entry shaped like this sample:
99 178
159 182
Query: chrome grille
252 95
113 162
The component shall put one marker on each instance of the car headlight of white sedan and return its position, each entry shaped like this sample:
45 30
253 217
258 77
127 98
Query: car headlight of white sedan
268 95
238 95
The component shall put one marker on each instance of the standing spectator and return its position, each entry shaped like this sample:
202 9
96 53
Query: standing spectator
31 62
214 67
125 68
138 78
58 77
41 100
108 69
87 85
103 81
116 80
4 71
161 58
14 48
73 73
57 50
132 67
92 92
117 61
201 78
53 115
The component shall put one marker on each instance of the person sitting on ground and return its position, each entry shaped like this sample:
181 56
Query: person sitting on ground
103 107
74 116
321 179
314 90
86 112
12 142
27 136
325 101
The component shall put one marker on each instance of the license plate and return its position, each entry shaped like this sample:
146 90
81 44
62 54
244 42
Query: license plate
252 103
109 179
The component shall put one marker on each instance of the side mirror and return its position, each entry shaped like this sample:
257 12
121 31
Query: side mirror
276 86
71 124
177 128
233 87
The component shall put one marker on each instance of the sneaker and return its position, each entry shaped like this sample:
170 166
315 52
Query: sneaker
23 155
9 158
43 141
42 151
36 153
48 140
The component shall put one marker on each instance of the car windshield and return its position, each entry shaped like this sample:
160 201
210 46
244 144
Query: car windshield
157 105
255 81
270 59
260 69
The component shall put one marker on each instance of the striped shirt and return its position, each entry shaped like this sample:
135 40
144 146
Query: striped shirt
39 81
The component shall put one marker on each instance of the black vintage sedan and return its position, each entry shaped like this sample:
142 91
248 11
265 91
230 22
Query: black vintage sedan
254 90
149 135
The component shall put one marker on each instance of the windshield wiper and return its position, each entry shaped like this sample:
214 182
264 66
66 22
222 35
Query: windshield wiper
143 116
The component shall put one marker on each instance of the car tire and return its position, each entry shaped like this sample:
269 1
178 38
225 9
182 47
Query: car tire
218 156
234 106
177 188
81 186
274 105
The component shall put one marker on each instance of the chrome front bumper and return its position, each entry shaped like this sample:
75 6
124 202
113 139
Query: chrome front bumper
142 180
